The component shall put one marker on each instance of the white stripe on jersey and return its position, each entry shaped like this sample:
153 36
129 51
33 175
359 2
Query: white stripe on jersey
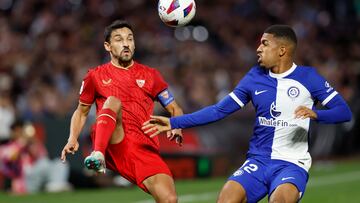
332 95
236 99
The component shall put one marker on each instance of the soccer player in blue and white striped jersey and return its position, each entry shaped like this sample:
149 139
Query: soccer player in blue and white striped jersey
284 95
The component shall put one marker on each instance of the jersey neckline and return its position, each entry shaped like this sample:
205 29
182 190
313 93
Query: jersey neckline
284 74
121 68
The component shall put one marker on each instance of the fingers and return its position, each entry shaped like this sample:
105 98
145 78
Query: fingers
151 129
170 135
63 155
179 140
153 119
304 112
158 118
76 148
154 134
68 149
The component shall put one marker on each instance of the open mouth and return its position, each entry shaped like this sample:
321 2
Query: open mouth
259 57
126 51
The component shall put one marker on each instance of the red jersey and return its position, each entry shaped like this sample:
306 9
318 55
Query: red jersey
136 87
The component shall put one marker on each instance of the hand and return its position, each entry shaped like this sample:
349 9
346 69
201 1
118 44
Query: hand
175 134
71 147
156 125
304 112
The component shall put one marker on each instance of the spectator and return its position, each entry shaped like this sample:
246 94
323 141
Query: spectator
24 160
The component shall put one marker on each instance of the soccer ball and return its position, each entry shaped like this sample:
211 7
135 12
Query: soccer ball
176 13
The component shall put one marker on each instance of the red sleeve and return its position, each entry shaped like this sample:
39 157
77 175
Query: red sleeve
87 89
159 83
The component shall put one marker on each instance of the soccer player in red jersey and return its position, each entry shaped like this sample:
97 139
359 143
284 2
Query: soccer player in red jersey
124 92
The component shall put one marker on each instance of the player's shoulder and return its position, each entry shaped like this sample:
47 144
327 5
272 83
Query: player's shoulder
146 70
99 68
144 67
305 71
257 71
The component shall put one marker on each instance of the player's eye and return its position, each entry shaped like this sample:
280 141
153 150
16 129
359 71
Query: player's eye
118 39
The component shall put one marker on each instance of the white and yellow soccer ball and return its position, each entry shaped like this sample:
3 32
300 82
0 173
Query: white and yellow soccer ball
176 13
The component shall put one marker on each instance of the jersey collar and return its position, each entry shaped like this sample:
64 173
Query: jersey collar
129 67
284 74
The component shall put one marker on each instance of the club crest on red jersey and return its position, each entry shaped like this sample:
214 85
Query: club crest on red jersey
140 83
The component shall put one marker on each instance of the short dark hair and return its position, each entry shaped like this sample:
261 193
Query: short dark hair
282 31
115 25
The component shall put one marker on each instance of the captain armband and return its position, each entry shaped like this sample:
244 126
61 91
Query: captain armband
165 97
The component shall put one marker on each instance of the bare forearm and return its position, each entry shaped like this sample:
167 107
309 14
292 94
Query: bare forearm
176 111
78 120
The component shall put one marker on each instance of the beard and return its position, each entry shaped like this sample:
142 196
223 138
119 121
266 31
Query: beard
126 55
124 59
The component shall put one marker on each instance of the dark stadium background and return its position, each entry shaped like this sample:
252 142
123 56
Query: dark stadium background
46 47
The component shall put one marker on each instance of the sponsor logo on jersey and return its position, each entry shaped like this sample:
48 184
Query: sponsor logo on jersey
328 86
293 92
273 112
106 82
140 83
274 122
259 92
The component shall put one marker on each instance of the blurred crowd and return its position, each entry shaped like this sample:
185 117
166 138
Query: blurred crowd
47 46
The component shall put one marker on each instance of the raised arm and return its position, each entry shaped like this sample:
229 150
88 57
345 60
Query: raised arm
77 123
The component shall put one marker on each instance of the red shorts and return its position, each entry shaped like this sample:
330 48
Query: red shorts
134 161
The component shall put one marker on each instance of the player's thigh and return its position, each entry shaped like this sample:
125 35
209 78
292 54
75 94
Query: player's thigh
289 183
232 192
161 187
286 192
250 179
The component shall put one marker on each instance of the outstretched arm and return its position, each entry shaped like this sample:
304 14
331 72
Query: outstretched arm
77 123
158 124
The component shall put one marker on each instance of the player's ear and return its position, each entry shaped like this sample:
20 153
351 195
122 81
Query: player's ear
282 51
107 46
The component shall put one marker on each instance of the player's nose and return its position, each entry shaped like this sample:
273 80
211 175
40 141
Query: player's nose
258 50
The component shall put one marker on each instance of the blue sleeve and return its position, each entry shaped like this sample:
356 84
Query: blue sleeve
320 89
337 111
206 115
242 93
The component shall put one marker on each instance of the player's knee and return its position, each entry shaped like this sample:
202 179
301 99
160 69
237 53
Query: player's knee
228 199
282 199
276 200
113 103
171 198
